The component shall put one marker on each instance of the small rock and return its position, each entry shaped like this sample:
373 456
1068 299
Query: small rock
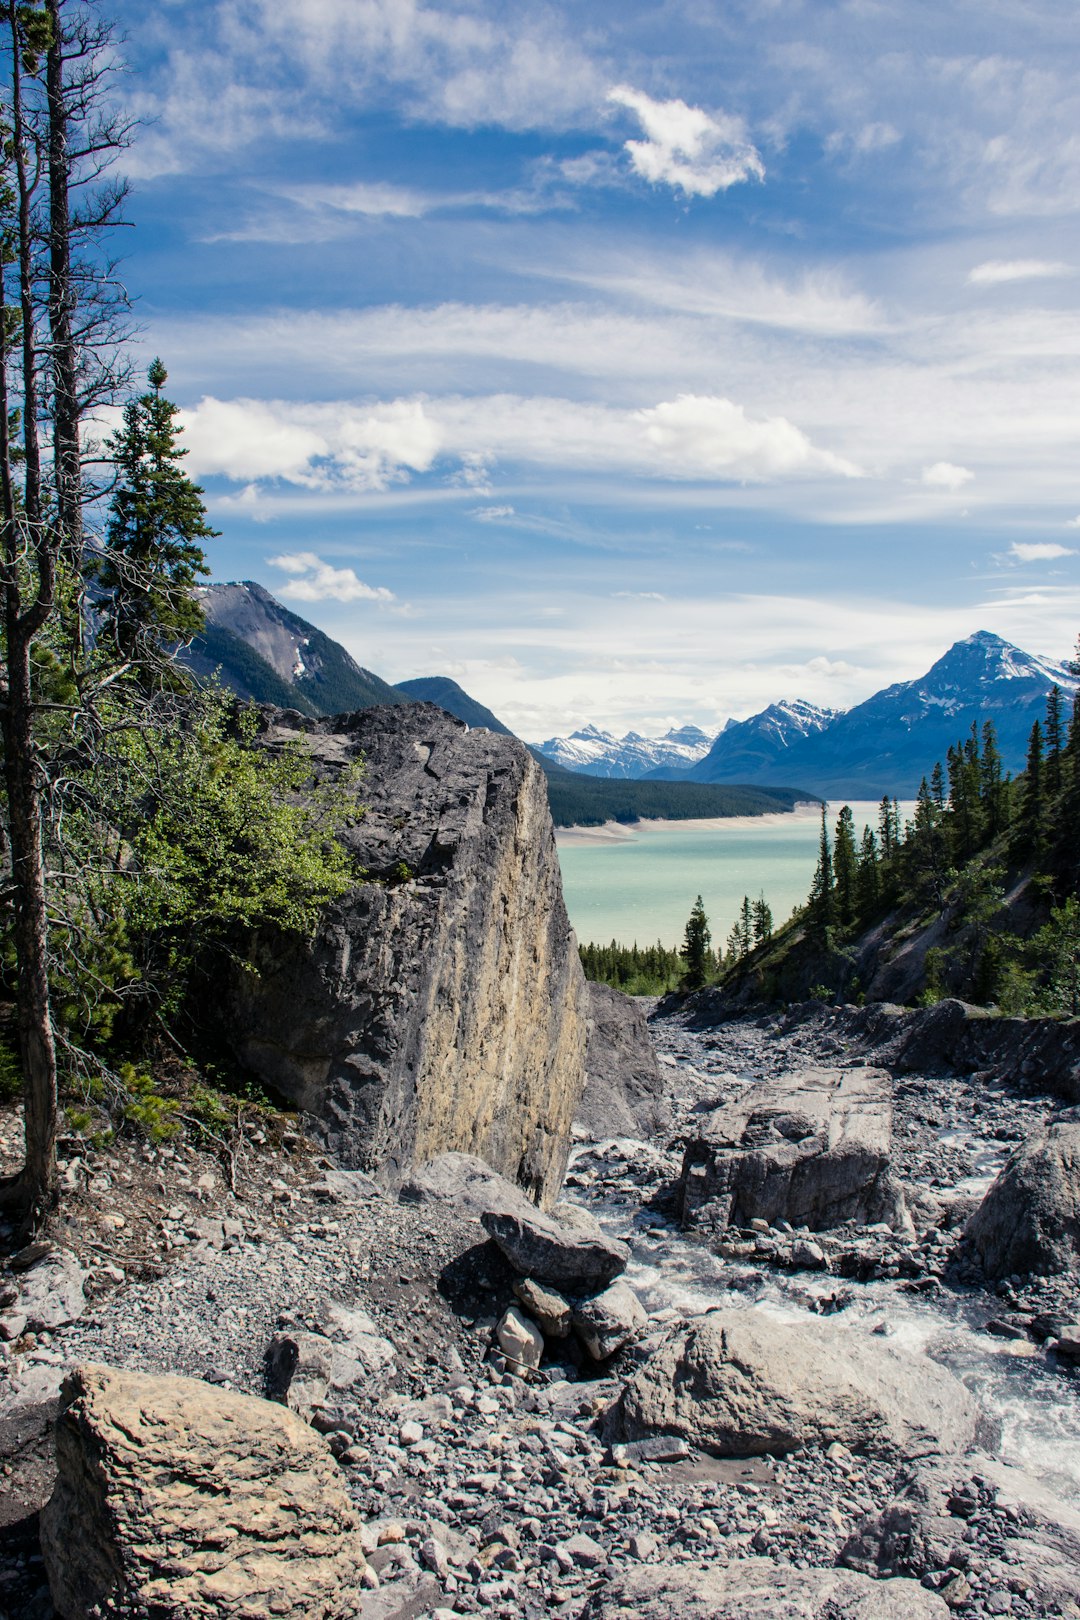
520 1339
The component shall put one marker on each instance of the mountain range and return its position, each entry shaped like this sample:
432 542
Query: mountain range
593 752
884 745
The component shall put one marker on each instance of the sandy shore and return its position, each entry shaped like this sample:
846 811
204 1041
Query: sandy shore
618 832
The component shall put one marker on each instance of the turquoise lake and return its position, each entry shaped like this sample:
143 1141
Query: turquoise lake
639 883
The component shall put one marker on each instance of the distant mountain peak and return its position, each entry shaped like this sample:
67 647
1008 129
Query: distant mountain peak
591 751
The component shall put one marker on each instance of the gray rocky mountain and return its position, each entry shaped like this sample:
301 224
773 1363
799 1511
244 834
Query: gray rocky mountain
888 743
594 752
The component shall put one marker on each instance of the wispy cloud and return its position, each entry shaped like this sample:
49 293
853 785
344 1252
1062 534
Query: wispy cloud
993 272
1038 551
696 152
313 580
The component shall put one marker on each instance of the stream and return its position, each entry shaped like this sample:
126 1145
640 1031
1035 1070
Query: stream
1026 1390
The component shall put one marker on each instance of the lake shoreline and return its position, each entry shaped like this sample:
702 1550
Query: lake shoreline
624 832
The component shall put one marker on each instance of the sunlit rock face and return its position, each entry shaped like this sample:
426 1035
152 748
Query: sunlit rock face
441 1005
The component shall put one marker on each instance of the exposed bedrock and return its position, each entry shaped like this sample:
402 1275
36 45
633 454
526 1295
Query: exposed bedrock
624 1090
1029 1220
810 1148
442 1003
758 1589
189 1502
741 1384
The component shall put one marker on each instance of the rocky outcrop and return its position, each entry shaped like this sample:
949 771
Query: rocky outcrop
934 1523
1029 1220
624 1089
442 1003
759 1589
191 1502
810 1148
742 1384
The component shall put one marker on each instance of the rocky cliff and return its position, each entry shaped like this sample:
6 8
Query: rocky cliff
441 1004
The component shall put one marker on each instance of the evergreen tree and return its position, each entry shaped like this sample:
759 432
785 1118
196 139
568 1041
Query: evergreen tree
696 949
1055 741
845 863
992 793
763 920
868 878
937 785
926 845
822 907
157 521
1032 828
885 829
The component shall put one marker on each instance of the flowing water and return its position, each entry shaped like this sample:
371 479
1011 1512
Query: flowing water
639 882
1033 1397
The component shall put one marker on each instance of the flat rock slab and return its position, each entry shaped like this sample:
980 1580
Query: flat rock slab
624 1088
190 1502
811 1148
758 1589
744 1384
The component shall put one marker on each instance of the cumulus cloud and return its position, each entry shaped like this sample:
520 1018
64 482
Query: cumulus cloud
698 153
1038 551
312 580
704 434
995 271
316 446
946 475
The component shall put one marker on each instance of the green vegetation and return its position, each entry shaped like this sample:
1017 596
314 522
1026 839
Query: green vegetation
649 971
986 874
697 951
589 801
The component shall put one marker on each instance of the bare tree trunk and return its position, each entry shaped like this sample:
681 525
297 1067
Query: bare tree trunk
66 456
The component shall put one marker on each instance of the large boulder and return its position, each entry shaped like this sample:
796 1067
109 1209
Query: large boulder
758 1589
744 1384
624 1087
466 1182
1030 1218
190 1502
568 1247
936 1519
811 1147
441 1004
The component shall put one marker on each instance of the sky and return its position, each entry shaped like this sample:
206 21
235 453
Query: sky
634 363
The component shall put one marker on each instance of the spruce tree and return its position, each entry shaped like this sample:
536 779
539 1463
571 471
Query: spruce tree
696 949
868 878
157 521
1055 740
845 862
991 785
1032 829
763 920
822 903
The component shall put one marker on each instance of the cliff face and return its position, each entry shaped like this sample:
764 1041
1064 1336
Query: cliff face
441 1005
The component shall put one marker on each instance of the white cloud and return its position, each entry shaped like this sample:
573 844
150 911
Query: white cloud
695 435
870 137
995 271
341 445
311 445
492 514
312 580
1038 551
946 475
697 152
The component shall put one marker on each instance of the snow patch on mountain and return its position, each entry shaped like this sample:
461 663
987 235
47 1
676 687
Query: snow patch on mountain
594 752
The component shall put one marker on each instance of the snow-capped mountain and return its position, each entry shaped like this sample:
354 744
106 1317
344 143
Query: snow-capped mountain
592 752
887 743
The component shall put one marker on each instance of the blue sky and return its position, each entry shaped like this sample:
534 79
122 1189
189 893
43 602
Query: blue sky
635 363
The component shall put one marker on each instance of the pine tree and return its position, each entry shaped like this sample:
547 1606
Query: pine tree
696 949
937 785
926 845
868 878
992 793
156 523
1032 828
822 901
763 920
1055 741
845 863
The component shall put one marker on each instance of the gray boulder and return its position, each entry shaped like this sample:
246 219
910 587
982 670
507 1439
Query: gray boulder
46 1293
441 1004
465 1181
190 1502
609 1320
568 1248
743 1384
758 1589
1036 1538
1030 1218
624 1087
812 1148
299 1368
